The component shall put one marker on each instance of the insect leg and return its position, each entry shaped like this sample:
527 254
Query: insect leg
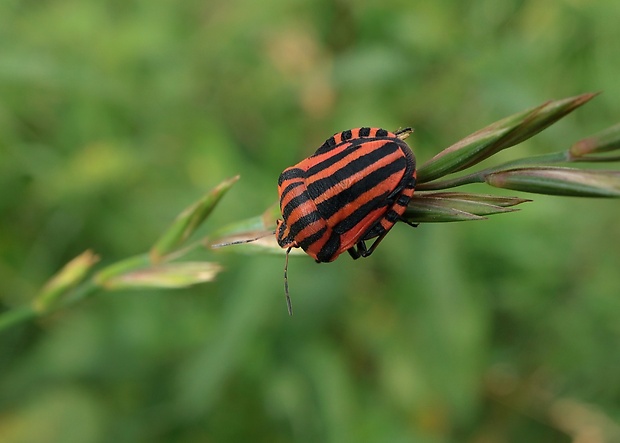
412 224
363 251
354 252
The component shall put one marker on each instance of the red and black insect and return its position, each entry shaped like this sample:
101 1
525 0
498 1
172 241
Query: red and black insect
354 188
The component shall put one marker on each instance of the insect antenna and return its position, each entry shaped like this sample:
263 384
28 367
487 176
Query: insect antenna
243 240
289 305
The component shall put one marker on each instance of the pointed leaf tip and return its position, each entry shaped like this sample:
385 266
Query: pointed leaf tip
66 279
559 181
500 135
439 207
189 221
602 142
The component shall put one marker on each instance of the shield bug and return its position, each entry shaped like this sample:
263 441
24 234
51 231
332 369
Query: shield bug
353 189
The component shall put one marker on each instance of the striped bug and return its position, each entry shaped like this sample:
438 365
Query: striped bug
354 188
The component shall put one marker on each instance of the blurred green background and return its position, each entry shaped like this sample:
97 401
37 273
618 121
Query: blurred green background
115 115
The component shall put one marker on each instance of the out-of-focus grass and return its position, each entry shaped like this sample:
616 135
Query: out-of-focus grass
115 115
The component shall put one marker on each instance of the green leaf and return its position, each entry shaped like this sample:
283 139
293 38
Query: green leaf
66 279
497 200
121 267
431 212
498 136
188 221
17 315
166 276
605 141
559 181
457 206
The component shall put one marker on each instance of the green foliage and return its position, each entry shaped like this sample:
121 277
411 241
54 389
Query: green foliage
115 115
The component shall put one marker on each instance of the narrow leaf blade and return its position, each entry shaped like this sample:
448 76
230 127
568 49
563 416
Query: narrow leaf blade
457 206
188 221
165 276
498 136
605 141
559 181
431 212
490 199
67 278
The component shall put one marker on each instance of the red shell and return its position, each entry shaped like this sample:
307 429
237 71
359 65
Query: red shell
354 188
